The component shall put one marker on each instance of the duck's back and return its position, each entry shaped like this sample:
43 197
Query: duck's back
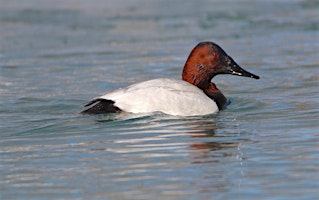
174 97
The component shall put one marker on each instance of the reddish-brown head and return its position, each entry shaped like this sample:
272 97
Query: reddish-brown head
207 60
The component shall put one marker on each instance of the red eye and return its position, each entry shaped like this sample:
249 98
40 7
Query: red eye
214 54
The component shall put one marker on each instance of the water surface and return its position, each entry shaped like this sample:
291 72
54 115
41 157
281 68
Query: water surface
56 55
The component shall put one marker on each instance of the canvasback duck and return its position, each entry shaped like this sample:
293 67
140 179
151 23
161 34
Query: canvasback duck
194 95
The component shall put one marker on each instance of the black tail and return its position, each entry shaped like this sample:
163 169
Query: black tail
102 107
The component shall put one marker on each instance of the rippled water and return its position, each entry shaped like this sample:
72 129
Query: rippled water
56 55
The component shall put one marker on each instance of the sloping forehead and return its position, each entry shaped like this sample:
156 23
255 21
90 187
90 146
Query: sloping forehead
208 47
204 49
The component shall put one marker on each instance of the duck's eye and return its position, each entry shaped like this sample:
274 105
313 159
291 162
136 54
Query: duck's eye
214 54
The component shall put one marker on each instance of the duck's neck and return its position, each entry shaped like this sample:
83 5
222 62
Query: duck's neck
203 81
214 93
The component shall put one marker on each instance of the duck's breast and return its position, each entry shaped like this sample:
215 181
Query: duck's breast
174 97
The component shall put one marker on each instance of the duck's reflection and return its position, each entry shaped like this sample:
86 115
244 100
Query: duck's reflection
204 152
208 145
204 129
217 154
208 138
212 146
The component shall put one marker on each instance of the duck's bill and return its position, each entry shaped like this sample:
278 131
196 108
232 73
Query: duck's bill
237 70
234 69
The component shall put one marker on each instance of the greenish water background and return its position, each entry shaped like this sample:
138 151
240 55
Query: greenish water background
56 55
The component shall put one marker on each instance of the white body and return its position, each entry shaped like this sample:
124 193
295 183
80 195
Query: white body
174 97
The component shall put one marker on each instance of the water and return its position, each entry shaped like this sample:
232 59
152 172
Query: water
56 55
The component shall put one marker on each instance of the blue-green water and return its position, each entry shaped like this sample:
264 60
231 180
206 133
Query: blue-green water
56 55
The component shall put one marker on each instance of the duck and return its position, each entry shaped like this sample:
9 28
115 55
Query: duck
195 94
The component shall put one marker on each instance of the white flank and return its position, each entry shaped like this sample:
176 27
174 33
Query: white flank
174 97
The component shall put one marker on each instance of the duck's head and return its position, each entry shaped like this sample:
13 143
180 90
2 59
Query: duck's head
207 60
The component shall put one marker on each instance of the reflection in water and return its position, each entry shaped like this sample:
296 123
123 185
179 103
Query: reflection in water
145 131
209 149
212 147
158 146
